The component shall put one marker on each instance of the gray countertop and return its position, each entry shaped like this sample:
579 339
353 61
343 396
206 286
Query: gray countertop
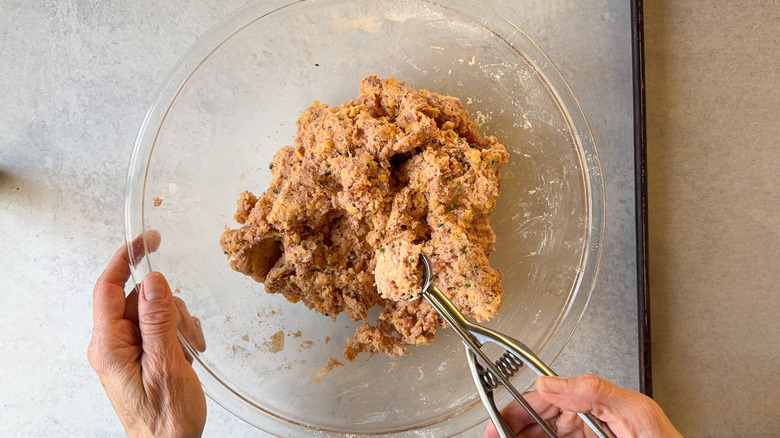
76 79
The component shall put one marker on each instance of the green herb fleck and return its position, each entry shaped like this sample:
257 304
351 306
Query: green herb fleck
275 192
317 242
327 173
349 187
412 260
453 206
463 250
440 225
281 265
472 145
316 65
466 286
278 238
376 137
271 166
382 250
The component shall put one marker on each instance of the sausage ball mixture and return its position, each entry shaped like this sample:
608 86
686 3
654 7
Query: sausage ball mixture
366 188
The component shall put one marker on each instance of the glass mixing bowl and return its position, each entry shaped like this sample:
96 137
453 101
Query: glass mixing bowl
233 100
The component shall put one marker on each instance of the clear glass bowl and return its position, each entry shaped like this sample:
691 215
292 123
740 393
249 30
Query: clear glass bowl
233 100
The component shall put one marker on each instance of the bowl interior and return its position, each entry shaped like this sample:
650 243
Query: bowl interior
233 101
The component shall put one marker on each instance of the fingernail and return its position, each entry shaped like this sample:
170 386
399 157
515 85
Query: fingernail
154 287
555 385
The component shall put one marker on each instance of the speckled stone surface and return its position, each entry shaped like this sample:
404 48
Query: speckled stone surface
76 79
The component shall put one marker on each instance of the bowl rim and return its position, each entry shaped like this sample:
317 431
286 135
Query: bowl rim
592 180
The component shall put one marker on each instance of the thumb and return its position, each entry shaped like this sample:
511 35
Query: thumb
626 412
157 318
585 393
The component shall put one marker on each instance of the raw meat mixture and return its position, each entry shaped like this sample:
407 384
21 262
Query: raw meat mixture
366 188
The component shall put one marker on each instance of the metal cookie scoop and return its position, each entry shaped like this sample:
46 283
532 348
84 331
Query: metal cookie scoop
487 374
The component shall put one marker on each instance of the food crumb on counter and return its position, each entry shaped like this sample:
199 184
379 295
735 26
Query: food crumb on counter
322 372
275 343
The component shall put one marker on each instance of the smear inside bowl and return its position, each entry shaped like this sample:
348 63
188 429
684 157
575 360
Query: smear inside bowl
232 101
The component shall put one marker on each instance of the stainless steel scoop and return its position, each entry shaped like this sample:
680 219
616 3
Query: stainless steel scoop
488 374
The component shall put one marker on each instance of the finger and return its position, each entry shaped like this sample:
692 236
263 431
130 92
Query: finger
157 319
131 306
586 393
189 327
199 341
183 336
618 407
144 243
119 271
108 296
519 419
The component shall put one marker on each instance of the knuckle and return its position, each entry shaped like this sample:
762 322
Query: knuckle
157 319
645 404
93 355
594 384
98 356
